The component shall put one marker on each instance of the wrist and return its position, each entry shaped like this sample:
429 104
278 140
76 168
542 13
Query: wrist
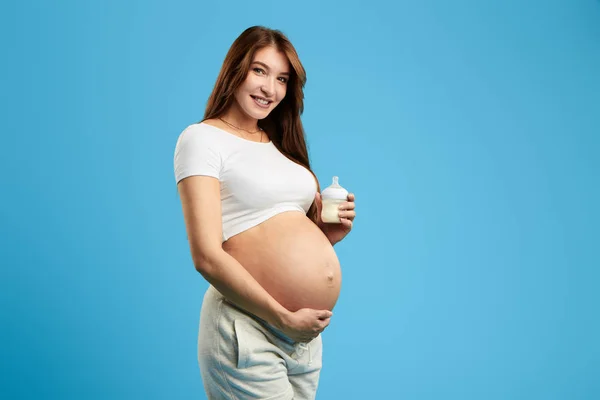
279 316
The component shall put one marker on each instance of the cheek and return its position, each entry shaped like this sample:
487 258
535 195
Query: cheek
242 90
246 87
239 97
252 82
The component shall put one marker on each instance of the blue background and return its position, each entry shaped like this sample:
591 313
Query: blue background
468 131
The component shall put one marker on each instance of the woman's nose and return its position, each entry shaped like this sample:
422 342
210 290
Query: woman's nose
268 88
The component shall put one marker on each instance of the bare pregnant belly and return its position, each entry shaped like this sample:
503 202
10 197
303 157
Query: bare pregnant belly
291 259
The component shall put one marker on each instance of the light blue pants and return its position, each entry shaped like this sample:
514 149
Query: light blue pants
243 357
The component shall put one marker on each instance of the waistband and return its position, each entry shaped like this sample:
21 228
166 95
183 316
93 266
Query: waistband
274 330
261 321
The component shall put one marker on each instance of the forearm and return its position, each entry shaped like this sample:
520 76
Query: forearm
234 282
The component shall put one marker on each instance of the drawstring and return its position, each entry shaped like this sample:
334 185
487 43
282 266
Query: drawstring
306 346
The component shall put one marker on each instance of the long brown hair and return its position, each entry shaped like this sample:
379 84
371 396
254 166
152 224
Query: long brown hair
283 124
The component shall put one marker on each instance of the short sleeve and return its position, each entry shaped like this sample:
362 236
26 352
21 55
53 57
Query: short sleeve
196 154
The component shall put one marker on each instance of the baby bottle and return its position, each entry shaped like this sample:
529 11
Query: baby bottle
332 197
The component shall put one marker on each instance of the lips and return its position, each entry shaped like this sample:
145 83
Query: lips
261 101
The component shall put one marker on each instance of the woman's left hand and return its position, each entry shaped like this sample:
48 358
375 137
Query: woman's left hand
336 232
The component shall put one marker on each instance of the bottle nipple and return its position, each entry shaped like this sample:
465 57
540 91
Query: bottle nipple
335 181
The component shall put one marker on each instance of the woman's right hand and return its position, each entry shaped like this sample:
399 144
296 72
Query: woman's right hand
305 324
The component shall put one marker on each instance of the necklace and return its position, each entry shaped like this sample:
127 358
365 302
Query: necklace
241 129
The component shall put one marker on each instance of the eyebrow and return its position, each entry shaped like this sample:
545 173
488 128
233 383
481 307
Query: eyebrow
267 67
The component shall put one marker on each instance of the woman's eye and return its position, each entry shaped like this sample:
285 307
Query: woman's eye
284 80
259 70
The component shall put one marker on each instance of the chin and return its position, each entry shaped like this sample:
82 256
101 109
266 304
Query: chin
259 115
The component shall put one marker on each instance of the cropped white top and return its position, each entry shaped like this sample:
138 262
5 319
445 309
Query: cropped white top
257 181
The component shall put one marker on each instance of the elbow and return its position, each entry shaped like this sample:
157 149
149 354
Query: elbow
201 266
205 261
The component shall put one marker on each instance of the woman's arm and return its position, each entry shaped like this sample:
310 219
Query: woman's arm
200 199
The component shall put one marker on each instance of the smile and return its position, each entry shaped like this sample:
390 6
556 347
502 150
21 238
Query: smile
261 102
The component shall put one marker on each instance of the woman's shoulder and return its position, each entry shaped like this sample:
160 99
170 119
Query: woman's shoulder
197 128
200 132
197 138
212 122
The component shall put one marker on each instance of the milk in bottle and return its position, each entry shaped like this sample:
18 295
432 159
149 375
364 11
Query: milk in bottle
332 197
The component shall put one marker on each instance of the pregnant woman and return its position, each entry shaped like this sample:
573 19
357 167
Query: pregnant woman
251 206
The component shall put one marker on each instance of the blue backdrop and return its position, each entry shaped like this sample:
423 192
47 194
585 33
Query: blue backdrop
468 131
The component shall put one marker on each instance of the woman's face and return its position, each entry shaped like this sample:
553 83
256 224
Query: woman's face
266 83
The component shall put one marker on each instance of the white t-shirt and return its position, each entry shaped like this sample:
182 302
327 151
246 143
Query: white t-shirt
257 181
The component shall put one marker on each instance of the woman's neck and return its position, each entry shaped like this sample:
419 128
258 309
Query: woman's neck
240 119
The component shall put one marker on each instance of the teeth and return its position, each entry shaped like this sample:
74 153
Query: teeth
261 101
